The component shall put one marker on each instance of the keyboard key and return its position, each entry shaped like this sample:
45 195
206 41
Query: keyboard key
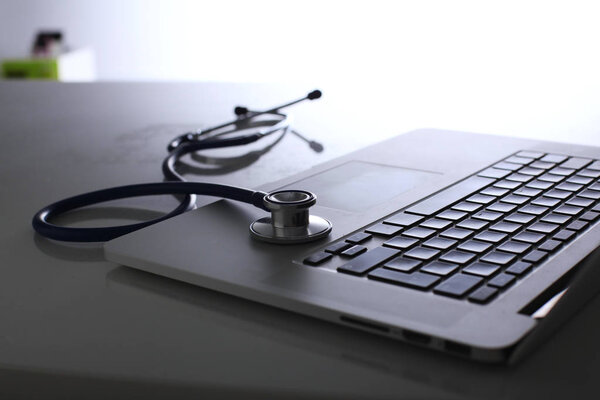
435 223
358 238
589 173
530 154
580 202
456 233
416 280
514 199
490 236
502 281
540 185
520 218
457 257
517 177
576 163
557 194
590 216
519 268
401 242
506 227
474 246
535 256
504 184
441 200
577 225
402 264
550 245
494 191
457 285
569 210
527 191
502 207
481 199
419 232
531 171
564 235
533 209
337 248
494 173
452 215
537 184
543 227
579 180
590 194
487 215
382 229
596 208
515 247
562 171
439 268
317 258
554 158
440 243
368 260
498 257
542 165
473 224
519 160
403 219
481 269
548 177
529 237
556 218
467 206
545 201
507 166
595 186
595 166
422 253
354 251
483 295
570 187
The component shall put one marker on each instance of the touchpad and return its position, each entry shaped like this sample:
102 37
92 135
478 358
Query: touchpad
358 185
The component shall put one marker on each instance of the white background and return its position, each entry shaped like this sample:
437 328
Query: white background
521 68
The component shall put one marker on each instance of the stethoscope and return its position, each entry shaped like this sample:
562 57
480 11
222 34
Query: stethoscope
290 221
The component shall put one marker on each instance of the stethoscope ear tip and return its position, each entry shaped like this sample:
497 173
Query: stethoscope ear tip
239 111
315 94
316 146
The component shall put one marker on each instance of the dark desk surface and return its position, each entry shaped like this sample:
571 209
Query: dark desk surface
76 325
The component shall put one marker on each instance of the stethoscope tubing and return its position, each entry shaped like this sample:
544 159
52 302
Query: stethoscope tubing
182 145
42 226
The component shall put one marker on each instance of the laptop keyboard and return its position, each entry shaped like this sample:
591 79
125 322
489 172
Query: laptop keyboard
478 237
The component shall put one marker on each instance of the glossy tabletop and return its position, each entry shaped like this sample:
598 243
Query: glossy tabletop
76 325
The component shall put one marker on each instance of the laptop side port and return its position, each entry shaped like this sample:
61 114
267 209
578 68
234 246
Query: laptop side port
457 348
365 324
416 337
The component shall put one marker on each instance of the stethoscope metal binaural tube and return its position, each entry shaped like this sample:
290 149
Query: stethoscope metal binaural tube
244 115
290 221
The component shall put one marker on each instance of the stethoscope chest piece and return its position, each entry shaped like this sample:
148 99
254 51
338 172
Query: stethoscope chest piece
290 221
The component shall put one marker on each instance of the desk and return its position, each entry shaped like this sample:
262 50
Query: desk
74 325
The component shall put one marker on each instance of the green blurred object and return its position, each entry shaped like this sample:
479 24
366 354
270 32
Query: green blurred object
42 68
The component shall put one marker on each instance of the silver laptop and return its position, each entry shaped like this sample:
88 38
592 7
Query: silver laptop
475 245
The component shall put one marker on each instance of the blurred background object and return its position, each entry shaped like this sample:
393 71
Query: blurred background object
51 59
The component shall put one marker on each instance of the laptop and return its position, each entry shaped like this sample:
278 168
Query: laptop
475 245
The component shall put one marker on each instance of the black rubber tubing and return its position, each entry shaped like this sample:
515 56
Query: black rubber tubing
189 189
